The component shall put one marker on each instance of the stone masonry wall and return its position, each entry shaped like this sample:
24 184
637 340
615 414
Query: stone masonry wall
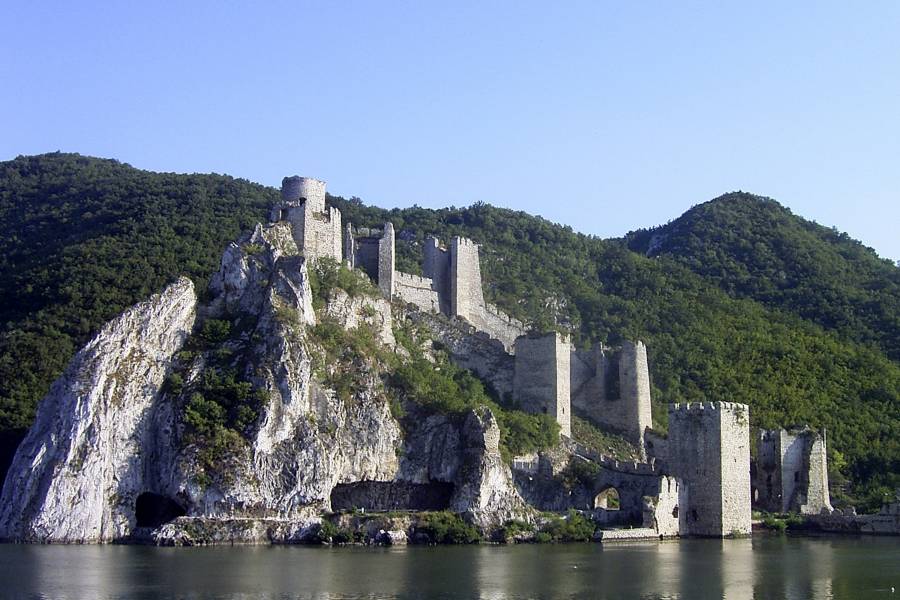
634 386
416 290
437 268
304 190
709 450
792 472
541 380
366 256
735 463
767 481
613 389
818 498
662 512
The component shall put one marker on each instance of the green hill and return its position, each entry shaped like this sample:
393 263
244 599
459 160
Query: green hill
87 237
752 247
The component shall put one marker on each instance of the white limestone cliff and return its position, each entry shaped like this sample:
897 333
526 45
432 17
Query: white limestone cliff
76 475
108 432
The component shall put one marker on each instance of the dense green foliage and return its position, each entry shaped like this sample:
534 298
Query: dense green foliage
602 442
445 527
741 302
752 247
84 239
574 527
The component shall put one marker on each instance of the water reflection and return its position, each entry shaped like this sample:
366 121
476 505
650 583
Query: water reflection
822 569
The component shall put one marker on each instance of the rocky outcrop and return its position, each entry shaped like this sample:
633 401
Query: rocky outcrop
372 312
78 472
485 492
109 438
308 439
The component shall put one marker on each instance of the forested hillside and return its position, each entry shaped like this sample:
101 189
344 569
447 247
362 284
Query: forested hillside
752 247
86 237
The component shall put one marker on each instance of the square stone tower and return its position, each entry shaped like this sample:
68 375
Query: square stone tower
709 451
541 379
316 227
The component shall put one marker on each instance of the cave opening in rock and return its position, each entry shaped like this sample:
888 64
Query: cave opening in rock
391 495
153 510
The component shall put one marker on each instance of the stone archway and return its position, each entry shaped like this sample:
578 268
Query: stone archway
608 499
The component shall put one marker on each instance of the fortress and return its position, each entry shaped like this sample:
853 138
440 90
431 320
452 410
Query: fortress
694 482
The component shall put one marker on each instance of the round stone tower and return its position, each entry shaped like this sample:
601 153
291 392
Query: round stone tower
304 189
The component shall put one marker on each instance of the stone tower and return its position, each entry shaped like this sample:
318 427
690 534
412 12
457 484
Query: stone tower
634 391
541 378
612 387
792 471
466 296
387 261
316 228
709 451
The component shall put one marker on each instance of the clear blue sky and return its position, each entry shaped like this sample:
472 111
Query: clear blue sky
603 116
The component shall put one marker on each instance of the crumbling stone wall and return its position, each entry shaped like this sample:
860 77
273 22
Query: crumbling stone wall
416 290
662 510
709 451
541 381
467 295
437 268
612 388
792 471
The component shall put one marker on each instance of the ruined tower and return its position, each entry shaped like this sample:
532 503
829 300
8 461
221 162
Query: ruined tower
612 387
709 451
541 379
387 261
466 296
792 471
316 228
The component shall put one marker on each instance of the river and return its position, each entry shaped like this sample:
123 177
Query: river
762 568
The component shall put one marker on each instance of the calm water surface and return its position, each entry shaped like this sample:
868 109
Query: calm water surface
763 568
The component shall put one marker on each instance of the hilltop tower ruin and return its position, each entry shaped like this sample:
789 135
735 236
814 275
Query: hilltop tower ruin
709 451
316 228
792 471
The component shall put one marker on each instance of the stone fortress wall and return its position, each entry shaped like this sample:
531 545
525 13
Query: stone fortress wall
791 473
707 448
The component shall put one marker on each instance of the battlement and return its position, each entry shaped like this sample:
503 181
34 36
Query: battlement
631 467
700 408
494 311
414 281
460 241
